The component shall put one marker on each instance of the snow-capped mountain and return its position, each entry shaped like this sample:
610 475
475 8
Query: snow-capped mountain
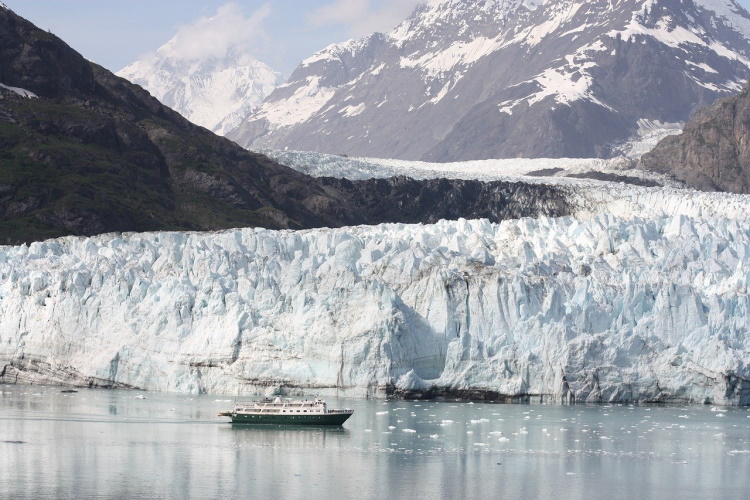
217 93
461 80
608 307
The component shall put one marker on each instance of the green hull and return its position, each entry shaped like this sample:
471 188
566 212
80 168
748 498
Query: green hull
327 419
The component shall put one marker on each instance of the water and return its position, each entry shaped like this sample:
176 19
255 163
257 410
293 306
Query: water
113 444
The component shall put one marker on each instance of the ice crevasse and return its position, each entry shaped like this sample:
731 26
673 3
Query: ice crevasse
605 309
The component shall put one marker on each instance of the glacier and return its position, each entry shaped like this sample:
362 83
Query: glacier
642 296
546 170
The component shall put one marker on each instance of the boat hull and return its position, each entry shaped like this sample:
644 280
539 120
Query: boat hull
322 419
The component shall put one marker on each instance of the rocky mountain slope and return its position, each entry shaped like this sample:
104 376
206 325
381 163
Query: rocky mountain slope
216 93
507 78
93 153
713 151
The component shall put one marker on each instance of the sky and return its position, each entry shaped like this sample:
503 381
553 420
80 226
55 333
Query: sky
281 33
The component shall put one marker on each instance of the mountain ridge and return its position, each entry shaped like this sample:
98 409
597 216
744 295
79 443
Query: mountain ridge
494 79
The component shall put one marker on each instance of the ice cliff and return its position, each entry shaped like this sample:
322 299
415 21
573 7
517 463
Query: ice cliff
594 308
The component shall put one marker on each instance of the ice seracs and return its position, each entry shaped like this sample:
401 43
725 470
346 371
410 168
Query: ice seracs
588 308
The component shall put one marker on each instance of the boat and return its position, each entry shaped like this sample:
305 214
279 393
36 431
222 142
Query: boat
287 412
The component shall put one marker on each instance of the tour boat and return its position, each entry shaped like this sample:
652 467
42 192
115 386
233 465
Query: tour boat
278 411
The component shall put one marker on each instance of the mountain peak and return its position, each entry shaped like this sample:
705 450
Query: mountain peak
211 90
505 78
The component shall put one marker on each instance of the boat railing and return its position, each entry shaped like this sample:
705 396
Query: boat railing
341 411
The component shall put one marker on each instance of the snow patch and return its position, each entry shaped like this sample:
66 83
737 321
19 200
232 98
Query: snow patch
307 100
377 70
458 55
705 67
350 111
566 84
563 14
18 90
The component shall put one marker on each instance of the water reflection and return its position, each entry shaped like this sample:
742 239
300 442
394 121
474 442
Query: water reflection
307 436
114 444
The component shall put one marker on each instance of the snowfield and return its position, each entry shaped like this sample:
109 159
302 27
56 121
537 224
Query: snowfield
597 307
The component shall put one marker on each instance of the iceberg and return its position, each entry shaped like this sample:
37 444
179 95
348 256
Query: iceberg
596 308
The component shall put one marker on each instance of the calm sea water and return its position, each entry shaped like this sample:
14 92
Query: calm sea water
116 444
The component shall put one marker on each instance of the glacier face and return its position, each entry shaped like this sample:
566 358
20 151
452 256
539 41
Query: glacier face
595 308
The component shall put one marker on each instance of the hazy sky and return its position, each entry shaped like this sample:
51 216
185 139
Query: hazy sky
280 33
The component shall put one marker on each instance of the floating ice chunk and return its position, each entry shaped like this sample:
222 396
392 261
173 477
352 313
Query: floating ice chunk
381 413
479 421
410 431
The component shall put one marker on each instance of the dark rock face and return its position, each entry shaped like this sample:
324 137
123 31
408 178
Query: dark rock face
462 80
405 200
625 179
713 151
94 154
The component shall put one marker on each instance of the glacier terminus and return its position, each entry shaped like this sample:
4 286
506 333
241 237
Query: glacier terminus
604 306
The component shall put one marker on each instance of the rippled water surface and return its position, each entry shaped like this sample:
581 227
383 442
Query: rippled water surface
122 444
